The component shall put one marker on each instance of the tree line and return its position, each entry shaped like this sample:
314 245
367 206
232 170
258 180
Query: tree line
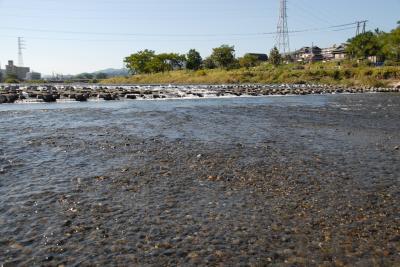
147 61
386 46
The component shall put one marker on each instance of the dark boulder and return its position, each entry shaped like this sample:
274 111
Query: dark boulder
130 96
32 94
106 97
47 97
3 99
11 98
81 97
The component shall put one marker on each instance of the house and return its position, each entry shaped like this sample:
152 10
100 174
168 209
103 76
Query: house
340 53
327 53
308 54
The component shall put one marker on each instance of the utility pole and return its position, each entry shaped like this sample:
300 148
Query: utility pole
364 26
358 28
21 46
282 37
312 52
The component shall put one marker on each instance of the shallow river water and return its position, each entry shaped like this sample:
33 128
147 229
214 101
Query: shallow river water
295 180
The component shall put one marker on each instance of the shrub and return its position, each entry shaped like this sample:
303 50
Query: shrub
336 75
348 74
368 72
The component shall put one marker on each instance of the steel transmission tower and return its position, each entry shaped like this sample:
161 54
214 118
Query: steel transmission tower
282 37
21 46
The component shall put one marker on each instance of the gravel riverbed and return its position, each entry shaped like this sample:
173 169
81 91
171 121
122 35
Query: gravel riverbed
268 181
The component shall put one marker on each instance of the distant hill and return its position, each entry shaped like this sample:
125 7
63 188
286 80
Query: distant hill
113 72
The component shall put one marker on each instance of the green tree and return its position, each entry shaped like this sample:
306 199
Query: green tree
167 62
275 57
156 64
11 78
140 62
224 56
391 45
147 61
175 61
364 45
208 63
248 61
194 60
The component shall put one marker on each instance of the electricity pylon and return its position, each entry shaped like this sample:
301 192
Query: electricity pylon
282 37
21 46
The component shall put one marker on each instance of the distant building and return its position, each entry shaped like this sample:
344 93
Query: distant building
2 74
32 76
19 72
340 53
260 57
327 53
308 54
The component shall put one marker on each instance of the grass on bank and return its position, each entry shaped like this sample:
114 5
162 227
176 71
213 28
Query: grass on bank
347 73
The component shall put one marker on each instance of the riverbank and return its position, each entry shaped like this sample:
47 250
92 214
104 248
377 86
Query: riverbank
329 74
280 181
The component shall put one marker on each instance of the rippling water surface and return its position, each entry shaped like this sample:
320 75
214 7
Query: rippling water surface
49 151
25 129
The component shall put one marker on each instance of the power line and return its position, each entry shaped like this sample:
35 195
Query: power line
172 34
120 18
309 11
125 34
344 29
138 40
259 36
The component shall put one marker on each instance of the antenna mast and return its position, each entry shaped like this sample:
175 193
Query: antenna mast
21 46
282 38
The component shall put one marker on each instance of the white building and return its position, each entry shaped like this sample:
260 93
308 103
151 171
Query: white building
33 76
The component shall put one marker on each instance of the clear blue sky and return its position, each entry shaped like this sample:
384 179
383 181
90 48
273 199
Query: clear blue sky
87 35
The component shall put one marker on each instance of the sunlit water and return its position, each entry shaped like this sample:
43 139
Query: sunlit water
45 149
